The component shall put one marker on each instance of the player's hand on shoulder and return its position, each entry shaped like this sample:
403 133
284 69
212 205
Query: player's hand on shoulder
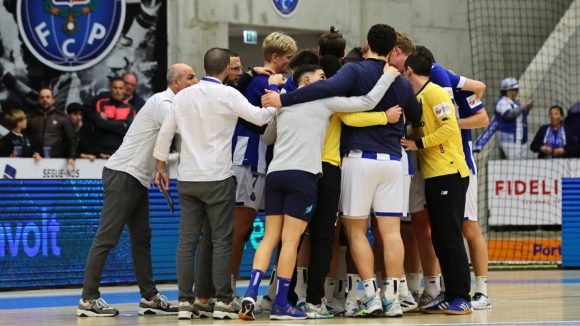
388 69
271 99
264 71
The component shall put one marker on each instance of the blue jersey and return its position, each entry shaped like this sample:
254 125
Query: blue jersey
511 130
468 104
289 86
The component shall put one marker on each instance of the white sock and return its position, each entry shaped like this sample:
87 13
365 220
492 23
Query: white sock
370 286
273 284
353 283
329 286
234 283
481 285
441 283
340 289
301 279
403 287
389 287
432 285
414 282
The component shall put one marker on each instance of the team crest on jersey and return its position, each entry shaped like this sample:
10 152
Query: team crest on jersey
70 35
285 7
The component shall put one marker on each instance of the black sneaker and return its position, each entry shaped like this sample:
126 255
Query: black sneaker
159 306
96 308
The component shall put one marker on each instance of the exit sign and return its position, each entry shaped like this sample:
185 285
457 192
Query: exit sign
250 37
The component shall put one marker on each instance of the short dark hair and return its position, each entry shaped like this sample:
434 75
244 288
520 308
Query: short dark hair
113 80
74 107
425 54
302 57
232 53
354 55
419 65
215 61
332 43
330 64
382 39
303 70
557 107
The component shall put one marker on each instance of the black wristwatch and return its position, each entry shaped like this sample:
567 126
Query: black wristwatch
252 71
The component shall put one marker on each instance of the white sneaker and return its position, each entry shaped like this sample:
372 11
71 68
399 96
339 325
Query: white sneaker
187 311
480 302
370 306
392 308
265 305
334 306
316 311
96 308
408 303
225 311
350 307
205 309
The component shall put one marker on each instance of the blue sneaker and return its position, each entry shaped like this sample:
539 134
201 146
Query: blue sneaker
459 306
370 306
392 308
286 312
437 306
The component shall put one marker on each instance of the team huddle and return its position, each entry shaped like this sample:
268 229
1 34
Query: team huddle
345 142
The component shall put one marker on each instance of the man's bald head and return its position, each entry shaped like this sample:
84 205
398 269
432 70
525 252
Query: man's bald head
180 76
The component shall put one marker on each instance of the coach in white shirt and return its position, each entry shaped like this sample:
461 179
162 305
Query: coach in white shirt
127 176
206 115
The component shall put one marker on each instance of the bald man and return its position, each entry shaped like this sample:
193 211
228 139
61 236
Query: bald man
127 176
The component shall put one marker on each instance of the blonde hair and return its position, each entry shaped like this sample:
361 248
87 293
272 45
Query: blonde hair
405 43
13 117
278 43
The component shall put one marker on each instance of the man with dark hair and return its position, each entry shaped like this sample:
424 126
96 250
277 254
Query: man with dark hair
331 43
206 114
376 150
301 57
46 127
446 176
354 55
111 118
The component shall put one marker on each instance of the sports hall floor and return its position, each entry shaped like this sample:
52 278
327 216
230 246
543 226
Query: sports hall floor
519 297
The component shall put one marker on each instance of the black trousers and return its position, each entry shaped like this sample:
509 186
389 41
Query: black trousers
321 229
445 196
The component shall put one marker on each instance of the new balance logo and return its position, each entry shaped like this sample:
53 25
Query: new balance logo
444 193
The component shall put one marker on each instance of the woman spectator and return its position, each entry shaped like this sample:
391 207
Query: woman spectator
554 140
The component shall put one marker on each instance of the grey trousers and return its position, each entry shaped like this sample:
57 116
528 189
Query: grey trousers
203 273
214 201
126 202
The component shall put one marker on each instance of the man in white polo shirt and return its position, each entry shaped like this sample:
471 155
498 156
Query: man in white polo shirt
206 116
126 180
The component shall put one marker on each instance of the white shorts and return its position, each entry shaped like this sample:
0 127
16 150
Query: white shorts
417 200
471 199
371 184
514 151
250 189
406 195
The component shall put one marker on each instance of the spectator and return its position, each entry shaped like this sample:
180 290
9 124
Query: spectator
131 95
111 119
76 148
15 143
46 127
512 129
554 140
572 121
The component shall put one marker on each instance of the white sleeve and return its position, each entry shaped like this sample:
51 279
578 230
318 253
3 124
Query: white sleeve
270 134
245 110
166 133
161 111
503 106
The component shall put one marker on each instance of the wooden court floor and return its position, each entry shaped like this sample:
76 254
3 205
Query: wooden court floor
528 297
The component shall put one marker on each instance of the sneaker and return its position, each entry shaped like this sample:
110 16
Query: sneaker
416 296
316 311
459 306
438 306
96 308
301 303
205 309
286 312
370 306
265 305
425 300
408 303
392 308
159 306
225 311
187 311
237 303
480 301
350 307
247 309
335 306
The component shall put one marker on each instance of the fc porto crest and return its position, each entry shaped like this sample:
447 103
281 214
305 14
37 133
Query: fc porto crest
70 35
285 8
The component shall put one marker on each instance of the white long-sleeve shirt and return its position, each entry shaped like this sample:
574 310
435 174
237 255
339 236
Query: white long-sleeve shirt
134 154
206 115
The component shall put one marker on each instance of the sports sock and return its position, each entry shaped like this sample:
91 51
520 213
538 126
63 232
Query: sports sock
370 286
441 283
255 279
329 286
282 291
389 287
353 283
481 285
414 281
340 289
432 286
403 287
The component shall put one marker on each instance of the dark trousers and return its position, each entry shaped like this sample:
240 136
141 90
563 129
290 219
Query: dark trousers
445 196
126 202
321 229
216 202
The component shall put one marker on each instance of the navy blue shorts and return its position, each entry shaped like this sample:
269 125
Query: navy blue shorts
291 192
